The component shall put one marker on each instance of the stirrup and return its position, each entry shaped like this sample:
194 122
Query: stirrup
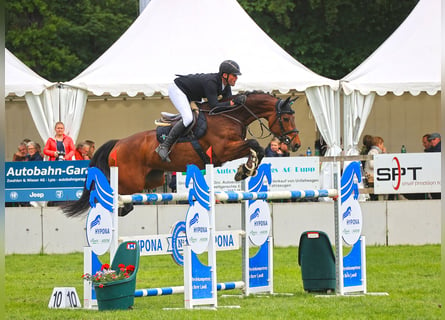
160 149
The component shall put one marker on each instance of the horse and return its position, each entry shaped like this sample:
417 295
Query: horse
141 168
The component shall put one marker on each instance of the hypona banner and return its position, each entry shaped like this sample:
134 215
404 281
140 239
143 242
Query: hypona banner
407 173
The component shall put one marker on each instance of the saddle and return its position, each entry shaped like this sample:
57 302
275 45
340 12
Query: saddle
194 131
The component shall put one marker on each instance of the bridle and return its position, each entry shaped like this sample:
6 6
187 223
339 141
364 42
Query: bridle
282 107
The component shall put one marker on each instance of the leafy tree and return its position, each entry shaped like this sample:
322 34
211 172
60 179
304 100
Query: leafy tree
59 39
331 37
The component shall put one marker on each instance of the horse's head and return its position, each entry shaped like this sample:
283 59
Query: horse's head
278 113
282 122
286 122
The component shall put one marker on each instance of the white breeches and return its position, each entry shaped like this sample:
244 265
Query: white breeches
181 103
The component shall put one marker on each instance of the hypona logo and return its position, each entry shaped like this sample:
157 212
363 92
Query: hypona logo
347 213
255 214
194 220
95 222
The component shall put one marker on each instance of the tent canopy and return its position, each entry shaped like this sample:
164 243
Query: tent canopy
408 61
182 36
20 79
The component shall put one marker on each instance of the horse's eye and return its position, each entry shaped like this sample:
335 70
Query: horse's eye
286 119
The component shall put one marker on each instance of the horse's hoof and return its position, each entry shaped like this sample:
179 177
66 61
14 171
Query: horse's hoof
240 176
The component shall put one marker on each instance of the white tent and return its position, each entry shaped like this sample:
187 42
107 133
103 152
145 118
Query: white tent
48 102
20 79
408 61
188 36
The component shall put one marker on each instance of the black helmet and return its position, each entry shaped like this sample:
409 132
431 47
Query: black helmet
230 67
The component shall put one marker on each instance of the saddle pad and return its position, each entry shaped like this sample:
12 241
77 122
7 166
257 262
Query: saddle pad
198 130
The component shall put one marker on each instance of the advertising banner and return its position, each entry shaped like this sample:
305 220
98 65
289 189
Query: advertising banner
288 173
407 173
44 180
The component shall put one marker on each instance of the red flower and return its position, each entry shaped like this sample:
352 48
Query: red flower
105 266
130 268
101 285
121 265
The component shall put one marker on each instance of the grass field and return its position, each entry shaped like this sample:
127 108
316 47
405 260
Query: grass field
409 274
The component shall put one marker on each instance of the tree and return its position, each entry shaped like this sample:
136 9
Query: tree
59 39
331 37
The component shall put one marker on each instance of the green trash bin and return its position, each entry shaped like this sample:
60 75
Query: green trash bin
317 261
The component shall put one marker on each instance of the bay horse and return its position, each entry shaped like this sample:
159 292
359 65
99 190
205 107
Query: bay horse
141 168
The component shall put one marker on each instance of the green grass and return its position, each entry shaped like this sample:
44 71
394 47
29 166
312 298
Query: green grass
410 274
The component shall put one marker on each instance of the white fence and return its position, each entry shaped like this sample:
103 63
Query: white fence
47 230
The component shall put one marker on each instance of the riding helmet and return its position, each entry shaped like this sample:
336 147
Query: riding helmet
229 67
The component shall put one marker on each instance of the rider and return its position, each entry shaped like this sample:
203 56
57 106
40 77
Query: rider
195 87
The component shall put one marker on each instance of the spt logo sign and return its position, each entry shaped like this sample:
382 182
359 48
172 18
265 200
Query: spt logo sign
407 173
395 172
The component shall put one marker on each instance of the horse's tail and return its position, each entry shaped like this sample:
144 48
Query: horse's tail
100 161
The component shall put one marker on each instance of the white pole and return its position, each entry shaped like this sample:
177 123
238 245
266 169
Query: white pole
338 232
114 183
212 245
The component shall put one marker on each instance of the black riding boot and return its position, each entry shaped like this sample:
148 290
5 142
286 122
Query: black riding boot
164 148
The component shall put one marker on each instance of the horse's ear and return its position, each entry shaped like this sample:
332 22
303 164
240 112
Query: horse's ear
293 100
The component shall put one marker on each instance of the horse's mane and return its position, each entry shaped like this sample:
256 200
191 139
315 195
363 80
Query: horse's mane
247 93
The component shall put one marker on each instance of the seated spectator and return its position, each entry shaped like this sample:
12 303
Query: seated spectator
33 152
367 144
276 149
425 142
320 147
435 143
92 148
82 151
21 153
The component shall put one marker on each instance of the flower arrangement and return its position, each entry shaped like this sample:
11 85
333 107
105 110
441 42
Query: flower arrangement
106 275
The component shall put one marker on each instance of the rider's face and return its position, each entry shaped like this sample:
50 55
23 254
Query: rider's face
230 79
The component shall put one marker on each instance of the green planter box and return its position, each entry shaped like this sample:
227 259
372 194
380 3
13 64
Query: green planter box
117 295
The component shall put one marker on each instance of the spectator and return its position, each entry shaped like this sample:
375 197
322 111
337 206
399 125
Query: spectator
276 149
82 151
61 147
367 144
377 147
33 152
21 153
425 142
435 143
92 148
320 147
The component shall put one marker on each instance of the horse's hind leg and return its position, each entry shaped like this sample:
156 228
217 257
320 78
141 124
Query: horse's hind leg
250 167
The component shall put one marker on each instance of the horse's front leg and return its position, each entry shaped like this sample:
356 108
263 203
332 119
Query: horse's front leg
249 169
